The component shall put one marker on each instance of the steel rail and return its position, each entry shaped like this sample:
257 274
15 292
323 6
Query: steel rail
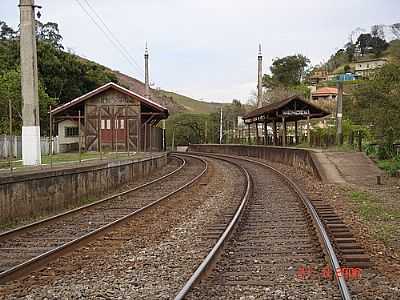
28 266
205 264
9 233
342 285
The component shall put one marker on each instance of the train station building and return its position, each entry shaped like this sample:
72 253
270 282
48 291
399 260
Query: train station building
110 118
275 118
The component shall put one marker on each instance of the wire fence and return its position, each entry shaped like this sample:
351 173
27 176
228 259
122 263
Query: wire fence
13 144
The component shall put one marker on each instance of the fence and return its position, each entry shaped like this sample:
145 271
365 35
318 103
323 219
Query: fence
16 146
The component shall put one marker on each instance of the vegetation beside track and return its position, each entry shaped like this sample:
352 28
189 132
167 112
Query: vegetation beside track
382 217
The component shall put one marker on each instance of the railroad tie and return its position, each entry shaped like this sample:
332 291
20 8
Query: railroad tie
351 253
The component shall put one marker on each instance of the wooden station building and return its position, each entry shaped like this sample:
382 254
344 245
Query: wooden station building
110 118
281 113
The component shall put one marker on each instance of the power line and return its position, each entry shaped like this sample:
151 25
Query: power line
114 36
110 37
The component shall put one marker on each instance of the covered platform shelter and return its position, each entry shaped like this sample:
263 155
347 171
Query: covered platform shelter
282 113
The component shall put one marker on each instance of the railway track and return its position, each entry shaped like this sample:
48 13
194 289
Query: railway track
274 246
27 248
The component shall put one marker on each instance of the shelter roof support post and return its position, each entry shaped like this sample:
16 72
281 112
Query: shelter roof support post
257 136
265 131
248 134
296 136
275 135
283 132
308 131
145 138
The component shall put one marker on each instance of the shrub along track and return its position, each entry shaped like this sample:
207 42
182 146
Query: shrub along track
275 252
29 247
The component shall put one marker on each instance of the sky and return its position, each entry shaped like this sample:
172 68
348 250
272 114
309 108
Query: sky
207 49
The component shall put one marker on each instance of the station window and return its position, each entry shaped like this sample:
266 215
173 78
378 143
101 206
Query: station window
108 124
103 124
71 131
122 124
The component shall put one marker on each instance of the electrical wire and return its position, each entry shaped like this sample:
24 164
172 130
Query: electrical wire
110 36
114 36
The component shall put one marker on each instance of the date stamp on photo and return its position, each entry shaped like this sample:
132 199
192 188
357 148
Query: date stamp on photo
348 273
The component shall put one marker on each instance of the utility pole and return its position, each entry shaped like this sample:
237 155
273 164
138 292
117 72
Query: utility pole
163 136
10 155
220 128
205 133
259 83
339 114
29 84
146 74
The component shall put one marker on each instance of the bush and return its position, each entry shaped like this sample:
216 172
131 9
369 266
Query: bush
391 166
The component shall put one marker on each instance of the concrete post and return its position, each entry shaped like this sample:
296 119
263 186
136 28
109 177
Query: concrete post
339 114
29 85
259 84
146 73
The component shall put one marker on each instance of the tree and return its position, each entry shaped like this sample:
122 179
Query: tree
65 76
10 89
367 43
186 128
49 33
394 50
6 32
289 70
376 103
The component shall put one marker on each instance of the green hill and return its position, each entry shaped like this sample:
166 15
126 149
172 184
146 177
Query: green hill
192 105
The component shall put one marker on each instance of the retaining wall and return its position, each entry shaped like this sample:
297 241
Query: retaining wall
299 158
23 196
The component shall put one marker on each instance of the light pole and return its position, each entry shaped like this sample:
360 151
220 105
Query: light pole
220 128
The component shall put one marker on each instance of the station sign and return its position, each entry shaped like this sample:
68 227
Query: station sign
297 112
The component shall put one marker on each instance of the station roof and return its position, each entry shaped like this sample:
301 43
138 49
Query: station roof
293 108
111 85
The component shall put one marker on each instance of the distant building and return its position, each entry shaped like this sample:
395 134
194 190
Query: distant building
364 68
345 77
111 118
318 76
325 93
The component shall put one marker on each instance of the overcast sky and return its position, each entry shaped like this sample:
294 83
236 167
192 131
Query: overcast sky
207 49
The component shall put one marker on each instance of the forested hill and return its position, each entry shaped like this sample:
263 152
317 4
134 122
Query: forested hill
64 76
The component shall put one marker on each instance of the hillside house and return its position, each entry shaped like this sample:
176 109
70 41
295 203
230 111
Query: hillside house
325 94
112 118
364 68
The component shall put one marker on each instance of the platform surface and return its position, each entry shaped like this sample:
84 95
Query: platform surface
347 167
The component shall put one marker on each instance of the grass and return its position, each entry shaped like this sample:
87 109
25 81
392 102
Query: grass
391 166
336 148
192 105
68 158
383 220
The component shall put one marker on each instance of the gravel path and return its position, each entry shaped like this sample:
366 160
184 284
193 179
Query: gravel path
148 258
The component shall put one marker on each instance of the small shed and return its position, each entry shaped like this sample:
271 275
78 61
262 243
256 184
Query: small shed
286 111
110 118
